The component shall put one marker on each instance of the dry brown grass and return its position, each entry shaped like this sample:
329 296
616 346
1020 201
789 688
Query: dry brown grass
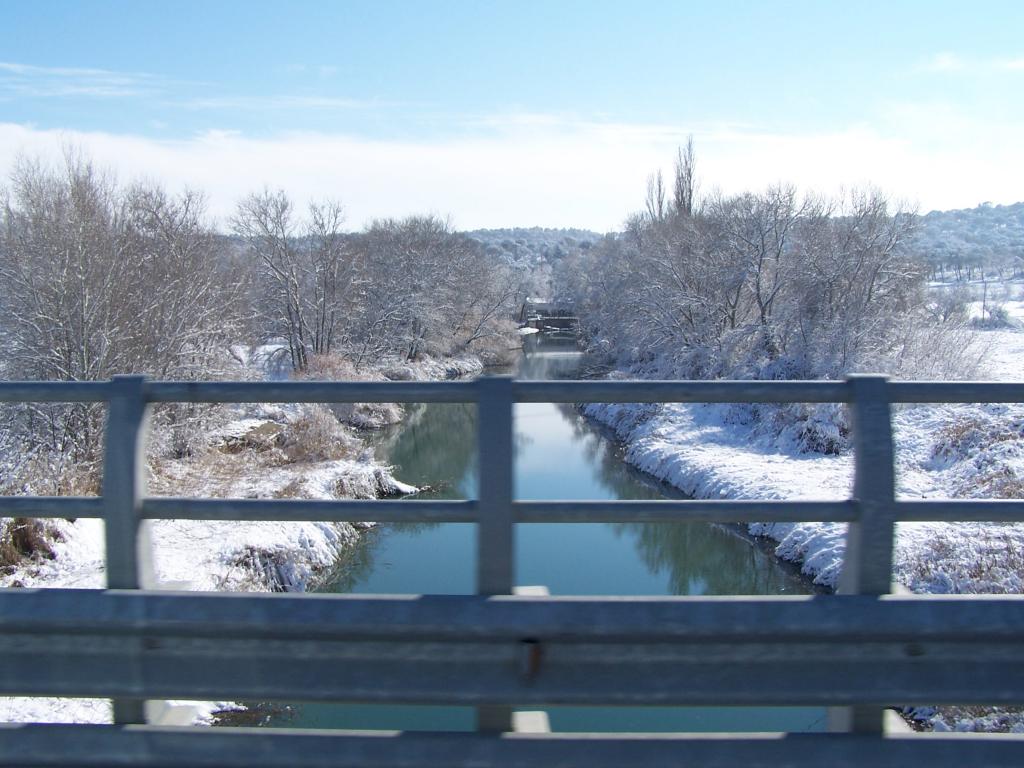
1002 483
985 444
266 437
293 490
26 539
263 567
213 474
181 430
23 540
267 459
333 368
359 415
376 486
368 415
962 436
317 436
995 564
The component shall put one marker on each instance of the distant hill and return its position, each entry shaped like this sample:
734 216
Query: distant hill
989 237
535 252
531 247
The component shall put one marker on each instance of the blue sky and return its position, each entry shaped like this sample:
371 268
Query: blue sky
521 113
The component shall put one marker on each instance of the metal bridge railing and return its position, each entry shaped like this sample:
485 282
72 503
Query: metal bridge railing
857 652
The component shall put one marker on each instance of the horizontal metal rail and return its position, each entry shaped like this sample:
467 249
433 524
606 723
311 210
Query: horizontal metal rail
97 746
955 392
683 510
857 651
717 391
54 391
52 506
475 618
466 511
960 510
681 391
348 510
310 392
916 664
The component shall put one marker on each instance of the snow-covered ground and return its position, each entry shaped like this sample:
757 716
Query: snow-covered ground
207 555
942 451
235 555
247 458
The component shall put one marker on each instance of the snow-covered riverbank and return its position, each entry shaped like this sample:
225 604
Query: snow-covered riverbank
252 453
942 451
705 452
249 451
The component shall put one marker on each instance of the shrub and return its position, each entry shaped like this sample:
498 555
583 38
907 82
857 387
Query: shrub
995 316
181 430
45 473
316 435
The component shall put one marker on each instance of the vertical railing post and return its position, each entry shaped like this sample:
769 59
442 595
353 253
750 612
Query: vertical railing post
495 564
867 564
129 550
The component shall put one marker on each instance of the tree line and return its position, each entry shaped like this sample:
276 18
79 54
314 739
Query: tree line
99 278
404 287
986 242
770 284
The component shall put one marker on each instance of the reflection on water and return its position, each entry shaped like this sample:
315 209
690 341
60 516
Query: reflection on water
705 560
559 455
435 446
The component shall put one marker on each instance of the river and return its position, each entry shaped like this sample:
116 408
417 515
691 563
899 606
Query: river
559 455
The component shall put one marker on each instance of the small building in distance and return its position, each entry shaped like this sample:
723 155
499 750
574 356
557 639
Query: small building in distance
548 317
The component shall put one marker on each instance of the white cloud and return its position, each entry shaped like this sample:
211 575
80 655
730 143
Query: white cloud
1013 65
271 102
30 81
944 62
547 171
30 70
951 62
33 81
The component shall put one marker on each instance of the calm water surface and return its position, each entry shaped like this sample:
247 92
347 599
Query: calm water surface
558 456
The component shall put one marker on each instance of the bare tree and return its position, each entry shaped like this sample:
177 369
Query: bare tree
307 269
266 221
426 290
333 273
655 197
769 284
684 188
100 279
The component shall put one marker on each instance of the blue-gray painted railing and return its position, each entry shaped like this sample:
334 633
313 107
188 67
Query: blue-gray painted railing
857 652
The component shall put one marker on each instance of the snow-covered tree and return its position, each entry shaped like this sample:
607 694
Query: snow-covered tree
100 279
306 267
